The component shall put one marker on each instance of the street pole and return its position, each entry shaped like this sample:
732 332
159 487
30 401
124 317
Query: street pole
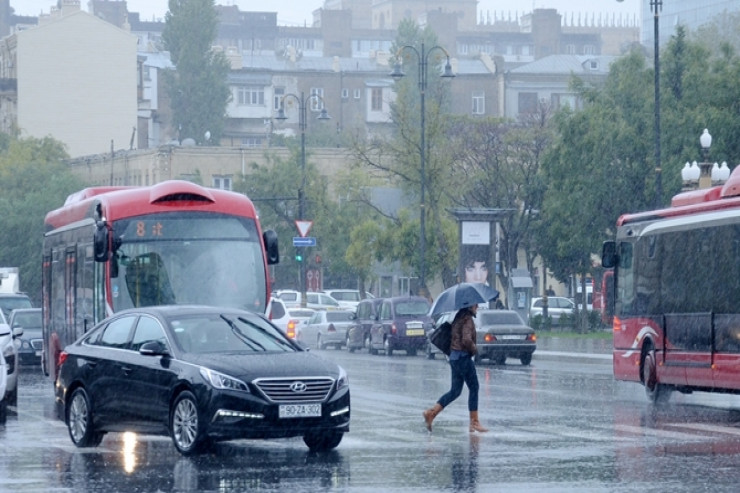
302 101
655 7
397 73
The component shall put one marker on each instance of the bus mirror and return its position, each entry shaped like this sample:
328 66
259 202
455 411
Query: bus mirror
271 247
100 242
609 254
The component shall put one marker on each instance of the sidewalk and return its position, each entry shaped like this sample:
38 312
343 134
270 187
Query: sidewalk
574 347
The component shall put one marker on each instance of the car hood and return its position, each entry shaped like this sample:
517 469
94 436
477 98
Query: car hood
248 366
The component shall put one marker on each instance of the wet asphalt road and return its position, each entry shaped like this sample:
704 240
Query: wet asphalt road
561 424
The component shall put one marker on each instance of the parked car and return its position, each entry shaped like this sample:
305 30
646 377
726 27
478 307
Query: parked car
326 328
200 375
10 353
28 320
556 306
402 324
11 301
358 334
502 334
347 298
317 301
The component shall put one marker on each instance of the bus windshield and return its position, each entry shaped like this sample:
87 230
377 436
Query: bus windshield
187 258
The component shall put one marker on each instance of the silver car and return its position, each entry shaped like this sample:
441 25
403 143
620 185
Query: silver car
556 306
326 328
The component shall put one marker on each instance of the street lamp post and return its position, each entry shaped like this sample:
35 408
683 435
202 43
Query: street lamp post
655 7
397 72
302 101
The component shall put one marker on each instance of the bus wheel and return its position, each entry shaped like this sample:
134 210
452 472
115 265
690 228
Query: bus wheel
656 392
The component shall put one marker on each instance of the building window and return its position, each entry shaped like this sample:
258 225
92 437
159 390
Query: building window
527 103
376 99
479 102
570 50
317 98
222 182
345 93
559 101
357 93
589 50
251 96
278 98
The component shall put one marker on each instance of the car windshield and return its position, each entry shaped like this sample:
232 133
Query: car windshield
499 318
407 308
221 333
27 319
338 316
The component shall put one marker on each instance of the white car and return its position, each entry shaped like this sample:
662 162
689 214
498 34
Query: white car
326 328
317 301
556 306
287 319
347 298
9 349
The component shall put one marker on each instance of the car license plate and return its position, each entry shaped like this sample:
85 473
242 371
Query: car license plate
512 337
414 332
300 410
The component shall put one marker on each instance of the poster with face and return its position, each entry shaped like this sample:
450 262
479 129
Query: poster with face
475 252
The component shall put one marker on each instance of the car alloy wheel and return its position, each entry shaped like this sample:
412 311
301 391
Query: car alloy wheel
184 424
80 422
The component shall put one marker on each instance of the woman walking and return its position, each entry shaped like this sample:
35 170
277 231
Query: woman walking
462 366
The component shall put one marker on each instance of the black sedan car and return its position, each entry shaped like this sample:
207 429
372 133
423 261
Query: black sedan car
200 375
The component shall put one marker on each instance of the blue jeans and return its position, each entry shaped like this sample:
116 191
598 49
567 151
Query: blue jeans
463 372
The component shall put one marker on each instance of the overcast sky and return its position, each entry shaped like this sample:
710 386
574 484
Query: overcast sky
298 12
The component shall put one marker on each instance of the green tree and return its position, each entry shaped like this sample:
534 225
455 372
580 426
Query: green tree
35 181
198 89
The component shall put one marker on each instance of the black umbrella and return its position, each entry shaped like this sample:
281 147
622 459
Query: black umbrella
463 295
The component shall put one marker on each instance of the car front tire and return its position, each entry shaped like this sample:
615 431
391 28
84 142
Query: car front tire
322 441
80 420
185 425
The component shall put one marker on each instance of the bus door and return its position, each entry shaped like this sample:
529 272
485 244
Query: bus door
726 367
688 348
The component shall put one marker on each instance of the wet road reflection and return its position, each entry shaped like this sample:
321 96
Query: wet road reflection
557 425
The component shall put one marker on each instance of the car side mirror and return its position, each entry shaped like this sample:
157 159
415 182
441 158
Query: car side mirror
17 331
153 348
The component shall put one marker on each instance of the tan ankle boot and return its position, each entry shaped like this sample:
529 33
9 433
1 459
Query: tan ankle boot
475 424
430 414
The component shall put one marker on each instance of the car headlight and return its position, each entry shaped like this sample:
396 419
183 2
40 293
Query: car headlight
221 381
342 380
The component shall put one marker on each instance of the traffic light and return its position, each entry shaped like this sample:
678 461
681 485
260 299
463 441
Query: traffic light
298 256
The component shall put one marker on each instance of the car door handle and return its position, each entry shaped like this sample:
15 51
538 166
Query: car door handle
126 370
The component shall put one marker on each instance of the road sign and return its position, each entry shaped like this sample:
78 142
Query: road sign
304 241
303 227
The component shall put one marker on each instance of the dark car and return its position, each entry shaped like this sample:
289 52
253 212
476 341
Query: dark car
200 375
358 334
403 323
503 334
31 341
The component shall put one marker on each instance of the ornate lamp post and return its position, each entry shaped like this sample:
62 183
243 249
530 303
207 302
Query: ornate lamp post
397 73
302 101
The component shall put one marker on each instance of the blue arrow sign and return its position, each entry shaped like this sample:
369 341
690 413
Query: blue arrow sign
301 241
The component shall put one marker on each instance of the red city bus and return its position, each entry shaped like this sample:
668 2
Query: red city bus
676 286
112 248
